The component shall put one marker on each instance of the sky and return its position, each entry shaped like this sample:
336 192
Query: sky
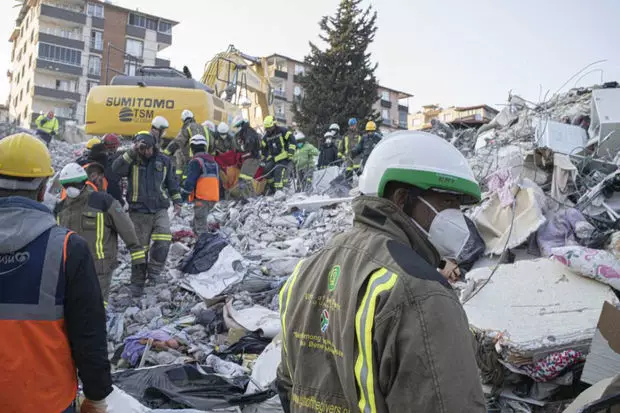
449 52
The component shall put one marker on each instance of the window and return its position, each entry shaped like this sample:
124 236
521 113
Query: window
94 65
30 61
165 27
32 36
385 114
60 54
95 10
299 69
91 84
21 95
133 47
28 87
130 68
96 39
385 95
151 24
66 85
26 113
137 20
447 117
280 110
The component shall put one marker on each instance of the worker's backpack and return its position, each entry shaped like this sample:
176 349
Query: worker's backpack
208 185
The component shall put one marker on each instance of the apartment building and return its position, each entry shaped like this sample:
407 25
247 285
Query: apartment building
467 116
62 48
284 77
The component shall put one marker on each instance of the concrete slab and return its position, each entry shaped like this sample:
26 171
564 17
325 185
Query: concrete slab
316 202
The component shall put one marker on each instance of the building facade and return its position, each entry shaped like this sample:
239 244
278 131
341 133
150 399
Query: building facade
284 78
469 116
62 48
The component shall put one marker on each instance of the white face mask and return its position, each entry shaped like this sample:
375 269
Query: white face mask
448 232
73 192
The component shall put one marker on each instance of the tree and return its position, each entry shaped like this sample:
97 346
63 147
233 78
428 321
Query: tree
339 82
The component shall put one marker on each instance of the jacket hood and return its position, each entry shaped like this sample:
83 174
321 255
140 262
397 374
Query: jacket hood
23 220
383 215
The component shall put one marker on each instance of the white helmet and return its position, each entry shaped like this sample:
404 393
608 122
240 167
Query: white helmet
223 128
198 140
299 136
160 123
419 159
209 125
72 172
329 134
238 121
186 114
334 127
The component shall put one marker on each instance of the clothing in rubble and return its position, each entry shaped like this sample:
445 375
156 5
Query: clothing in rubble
345 151
151 186
328 155
179 147
47 127
52 313
201 194
304 162
278 147
377 303
100 219
366 145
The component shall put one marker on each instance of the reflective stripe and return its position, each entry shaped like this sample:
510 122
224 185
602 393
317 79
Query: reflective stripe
179 171
138 254
46 309
99 239
285 296
283 154
246 177
382 280
163 180
161 237
127 158
176 196
134 182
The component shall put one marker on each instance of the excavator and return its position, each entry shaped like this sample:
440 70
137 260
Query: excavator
233 84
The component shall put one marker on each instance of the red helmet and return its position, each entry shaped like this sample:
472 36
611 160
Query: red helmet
111 141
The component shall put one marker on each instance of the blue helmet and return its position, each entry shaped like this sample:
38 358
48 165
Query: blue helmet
352 122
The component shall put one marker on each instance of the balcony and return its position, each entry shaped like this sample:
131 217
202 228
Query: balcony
98 22
279 94
386 103
164 38
61 37
162 62
59 67
135 31
403 108
96 44
67 14
280 74
56 93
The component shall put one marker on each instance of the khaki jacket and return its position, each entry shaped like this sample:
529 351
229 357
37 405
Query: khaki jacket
99 219
369 325
179 146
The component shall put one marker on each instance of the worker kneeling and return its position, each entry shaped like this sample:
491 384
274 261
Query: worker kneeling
202 186
99 219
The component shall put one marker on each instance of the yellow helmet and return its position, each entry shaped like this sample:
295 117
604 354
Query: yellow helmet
24 156
371 126
269 122
92 142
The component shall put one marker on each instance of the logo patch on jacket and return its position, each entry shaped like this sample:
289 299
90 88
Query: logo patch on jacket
332 278
159 166
324 320
13 261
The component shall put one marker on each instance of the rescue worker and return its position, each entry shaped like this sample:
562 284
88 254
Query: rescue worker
328 155
383 331
278 147
83 158
222 140
209 125
99 218
47 127
345 149
335 129
249 144
51 311
179 147
368 142
151 184
112 142
202 186
304 160
159 126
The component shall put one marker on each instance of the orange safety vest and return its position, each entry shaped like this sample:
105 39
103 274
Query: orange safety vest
207 186
63 193
38 371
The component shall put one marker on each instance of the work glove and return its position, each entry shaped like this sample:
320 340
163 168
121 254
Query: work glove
91 406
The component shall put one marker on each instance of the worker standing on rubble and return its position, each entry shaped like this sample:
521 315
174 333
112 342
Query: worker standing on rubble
83 158
249 144
368 142
329 153
47 127
179 147
382 330
345 149
278 147
202 186
51 311
335 129
151 186
304 160
159 126
112 142
99 218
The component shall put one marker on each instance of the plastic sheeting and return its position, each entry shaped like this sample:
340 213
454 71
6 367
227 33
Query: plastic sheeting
204 255
256 319
219 277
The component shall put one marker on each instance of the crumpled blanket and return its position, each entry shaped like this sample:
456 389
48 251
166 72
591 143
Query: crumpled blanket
134 348
600 265
564 228
553 365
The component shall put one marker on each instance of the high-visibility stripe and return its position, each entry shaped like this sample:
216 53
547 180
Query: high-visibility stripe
138 254
382 280
163 180
134 183
161 237
176 196
99 240
284 298
126 157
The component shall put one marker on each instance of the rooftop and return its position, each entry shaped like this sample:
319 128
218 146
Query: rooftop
117 7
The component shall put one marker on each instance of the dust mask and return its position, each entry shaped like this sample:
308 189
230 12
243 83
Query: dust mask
73 192
448 232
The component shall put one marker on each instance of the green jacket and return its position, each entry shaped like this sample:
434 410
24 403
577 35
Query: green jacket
179 146
369 325
304 157
100 219
46 125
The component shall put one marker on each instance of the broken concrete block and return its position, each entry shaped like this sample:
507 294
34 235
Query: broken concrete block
560 137
605 123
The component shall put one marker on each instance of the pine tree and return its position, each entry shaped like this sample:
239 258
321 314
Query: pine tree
339 82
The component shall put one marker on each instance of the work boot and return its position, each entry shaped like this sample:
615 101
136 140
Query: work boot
136 290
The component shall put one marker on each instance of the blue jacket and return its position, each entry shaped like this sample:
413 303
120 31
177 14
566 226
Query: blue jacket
194 171
151 183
